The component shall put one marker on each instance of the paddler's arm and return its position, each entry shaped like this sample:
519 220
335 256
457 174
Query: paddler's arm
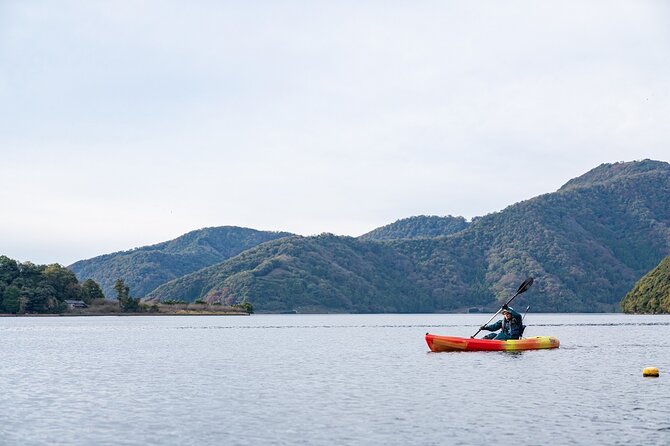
492 327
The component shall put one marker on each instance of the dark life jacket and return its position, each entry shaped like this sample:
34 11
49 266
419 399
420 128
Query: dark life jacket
514 327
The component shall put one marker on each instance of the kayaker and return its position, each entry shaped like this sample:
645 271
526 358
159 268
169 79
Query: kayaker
510 326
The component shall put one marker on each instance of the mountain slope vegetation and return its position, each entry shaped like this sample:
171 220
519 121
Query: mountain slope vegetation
145 268
320 273
651 294
585 244
421 226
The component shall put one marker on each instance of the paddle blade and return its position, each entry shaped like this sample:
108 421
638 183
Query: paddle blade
525 285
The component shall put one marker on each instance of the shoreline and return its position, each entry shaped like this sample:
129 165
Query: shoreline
123 314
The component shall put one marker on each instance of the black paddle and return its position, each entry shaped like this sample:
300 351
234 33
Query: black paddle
522 289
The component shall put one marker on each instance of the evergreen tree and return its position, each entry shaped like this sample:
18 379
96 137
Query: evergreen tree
9 270
90 290
126 302
11 302
40 299
63 281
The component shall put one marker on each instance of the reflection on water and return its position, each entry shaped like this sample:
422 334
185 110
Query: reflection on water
328 379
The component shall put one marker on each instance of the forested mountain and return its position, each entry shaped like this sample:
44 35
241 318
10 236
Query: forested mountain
421 226
651 294
29 288
585 244
609 172
320 273
145 268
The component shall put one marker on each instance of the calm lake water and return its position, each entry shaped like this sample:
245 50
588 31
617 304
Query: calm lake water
329 380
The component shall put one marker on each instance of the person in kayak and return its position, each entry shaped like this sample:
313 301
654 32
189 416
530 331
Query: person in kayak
510 326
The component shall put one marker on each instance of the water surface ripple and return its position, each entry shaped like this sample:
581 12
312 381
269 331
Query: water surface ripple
329 379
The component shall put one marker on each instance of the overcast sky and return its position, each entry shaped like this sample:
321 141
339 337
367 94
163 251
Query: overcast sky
128 123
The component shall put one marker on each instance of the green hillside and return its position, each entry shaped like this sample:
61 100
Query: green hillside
145 268
33 289
421 226
585 244
651 294
320 273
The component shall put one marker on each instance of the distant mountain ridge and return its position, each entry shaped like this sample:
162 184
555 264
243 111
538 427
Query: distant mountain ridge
612 172
421 226
586 244
145 268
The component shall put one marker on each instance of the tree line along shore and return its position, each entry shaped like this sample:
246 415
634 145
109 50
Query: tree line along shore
29 289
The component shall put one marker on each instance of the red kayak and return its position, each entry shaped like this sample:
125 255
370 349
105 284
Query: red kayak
455 344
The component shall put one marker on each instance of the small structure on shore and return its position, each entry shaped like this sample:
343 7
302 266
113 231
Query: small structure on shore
75 304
